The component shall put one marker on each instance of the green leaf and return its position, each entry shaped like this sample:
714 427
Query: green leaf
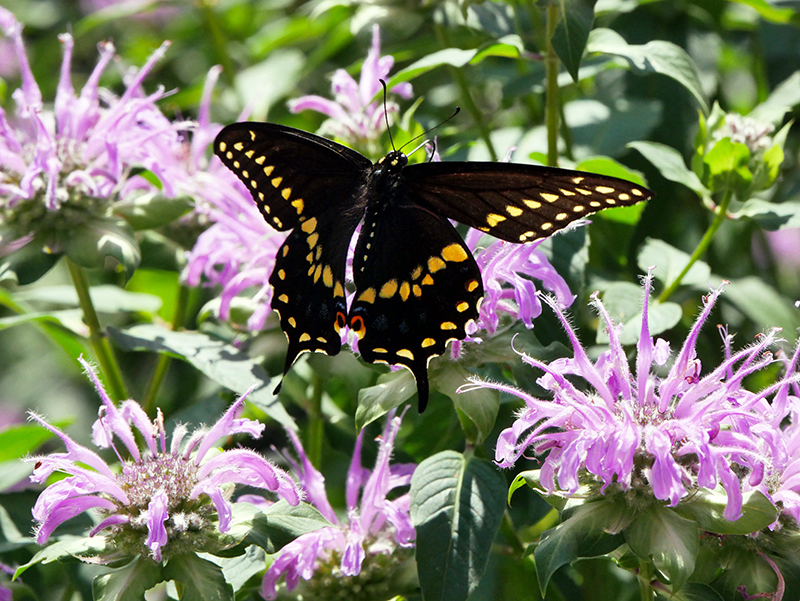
280 523
20 440
585 533
93 243
572 32
28 264
670 164
151 210
197 579
240 569
727 164
282 68
669 262
771 215
105 298
671 542
128 583
706 509
770 12
623 301
456 506
785 96
479 405
657 56
393 389
693 591
223 363
66 547
763 304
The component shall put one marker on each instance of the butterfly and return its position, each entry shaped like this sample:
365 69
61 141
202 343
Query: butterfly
417 285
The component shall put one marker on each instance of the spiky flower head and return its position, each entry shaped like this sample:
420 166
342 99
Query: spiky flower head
163 500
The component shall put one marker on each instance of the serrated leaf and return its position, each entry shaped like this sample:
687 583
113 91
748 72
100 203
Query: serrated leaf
456 507
240 569
583 534
197 579
671 542
572 33
391 390
706 509
656 56
669 262
670 164
128 583
223 363
623 301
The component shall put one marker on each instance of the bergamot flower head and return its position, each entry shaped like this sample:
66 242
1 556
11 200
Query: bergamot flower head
164 499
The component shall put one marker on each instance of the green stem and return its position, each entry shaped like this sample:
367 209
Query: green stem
164 360
644 578
551 74
466 97
510 534
211 23
315 433
721 216
98 338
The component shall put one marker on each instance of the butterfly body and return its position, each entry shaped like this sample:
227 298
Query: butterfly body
417 285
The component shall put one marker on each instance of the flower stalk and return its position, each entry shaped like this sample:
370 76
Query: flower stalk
705 242
102 348
551 74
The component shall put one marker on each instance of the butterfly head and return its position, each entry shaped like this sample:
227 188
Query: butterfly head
392 163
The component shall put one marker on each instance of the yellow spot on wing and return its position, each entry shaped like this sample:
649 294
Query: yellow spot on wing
428 342
624 196
282 274
561 216
260 160
312 240
546 226
637 192
309 226
249 154
566 192
379 350
327 276
435 264
462 306
317 273
276 181
268 170
513 211
454 253
404 352
238 146
577 180
549 197
304 337
292 322
416 290
338 290
448 325
533 204
471 285
604 189
405 290
283 298
584 192
299 205
416 273
427 280
493 219
368 296
223 146
286 193
389 289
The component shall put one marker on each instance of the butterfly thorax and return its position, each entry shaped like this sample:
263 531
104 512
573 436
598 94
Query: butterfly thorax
384 177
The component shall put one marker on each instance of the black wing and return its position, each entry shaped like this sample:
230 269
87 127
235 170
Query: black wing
305 182
518 203
291 174
417 287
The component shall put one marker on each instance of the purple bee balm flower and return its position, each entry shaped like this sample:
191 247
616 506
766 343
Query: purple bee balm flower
356 116
78 152
371 542
669 435
165 498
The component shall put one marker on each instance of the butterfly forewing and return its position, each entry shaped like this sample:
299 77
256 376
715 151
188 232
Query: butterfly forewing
292 175
417 287
518 203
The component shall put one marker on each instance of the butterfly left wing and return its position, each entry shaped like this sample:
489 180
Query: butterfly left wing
516 202
417 287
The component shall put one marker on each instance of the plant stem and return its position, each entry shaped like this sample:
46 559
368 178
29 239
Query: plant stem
466 97
644 578
720 217
316 425
98 338
164 360
551 74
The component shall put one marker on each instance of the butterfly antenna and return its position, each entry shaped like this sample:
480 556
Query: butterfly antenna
427 131
386 113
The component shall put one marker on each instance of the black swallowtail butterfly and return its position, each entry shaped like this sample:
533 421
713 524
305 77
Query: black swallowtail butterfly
416 282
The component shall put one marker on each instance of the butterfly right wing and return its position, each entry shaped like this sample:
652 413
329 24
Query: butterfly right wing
291 174
302 181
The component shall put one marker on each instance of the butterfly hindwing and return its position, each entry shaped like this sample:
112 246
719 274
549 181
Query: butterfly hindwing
308 284
518 203
417 287
291 174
